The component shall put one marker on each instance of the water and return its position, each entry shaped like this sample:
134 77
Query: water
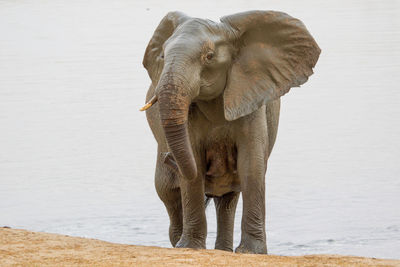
77 158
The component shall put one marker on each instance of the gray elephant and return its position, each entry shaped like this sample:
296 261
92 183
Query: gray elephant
215 93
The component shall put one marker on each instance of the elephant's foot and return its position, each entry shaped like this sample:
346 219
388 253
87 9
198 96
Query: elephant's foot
190 242
224 242
224 247
251 245
175 233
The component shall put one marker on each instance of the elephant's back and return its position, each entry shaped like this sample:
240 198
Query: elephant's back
272 110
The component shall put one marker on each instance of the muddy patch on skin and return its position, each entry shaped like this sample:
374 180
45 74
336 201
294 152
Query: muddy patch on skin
221 170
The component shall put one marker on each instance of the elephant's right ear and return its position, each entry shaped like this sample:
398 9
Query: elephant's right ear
153 60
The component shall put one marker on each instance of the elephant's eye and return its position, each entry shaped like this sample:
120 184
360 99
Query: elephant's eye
209 55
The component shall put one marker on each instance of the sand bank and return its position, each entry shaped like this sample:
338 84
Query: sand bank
21 247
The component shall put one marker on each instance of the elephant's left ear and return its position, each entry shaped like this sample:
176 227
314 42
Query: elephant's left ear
275 53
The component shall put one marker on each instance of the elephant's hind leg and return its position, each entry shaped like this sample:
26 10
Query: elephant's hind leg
169 192
225 207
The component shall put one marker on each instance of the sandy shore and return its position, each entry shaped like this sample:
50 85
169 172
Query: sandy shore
21 247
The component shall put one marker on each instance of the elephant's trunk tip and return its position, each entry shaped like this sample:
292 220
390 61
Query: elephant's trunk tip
151 102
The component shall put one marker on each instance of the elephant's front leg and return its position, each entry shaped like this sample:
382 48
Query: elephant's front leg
225 207
169 192
252 162
194 218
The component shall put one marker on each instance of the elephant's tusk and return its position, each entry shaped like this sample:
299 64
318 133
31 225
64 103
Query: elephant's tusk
150 103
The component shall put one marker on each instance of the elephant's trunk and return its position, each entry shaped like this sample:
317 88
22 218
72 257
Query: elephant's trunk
174 101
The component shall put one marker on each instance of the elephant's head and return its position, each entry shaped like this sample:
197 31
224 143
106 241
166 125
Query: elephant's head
251 58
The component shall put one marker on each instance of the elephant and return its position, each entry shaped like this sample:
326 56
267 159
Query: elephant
213 107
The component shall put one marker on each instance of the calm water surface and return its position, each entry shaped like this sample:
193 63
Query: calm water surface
77 158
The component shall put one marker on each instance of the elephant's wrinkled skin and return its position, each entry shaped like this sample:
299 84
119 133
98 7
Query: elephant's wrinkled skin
216 89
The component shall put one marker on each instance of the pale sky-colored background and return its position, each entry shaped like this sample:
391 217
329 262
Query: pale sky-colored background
76 156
